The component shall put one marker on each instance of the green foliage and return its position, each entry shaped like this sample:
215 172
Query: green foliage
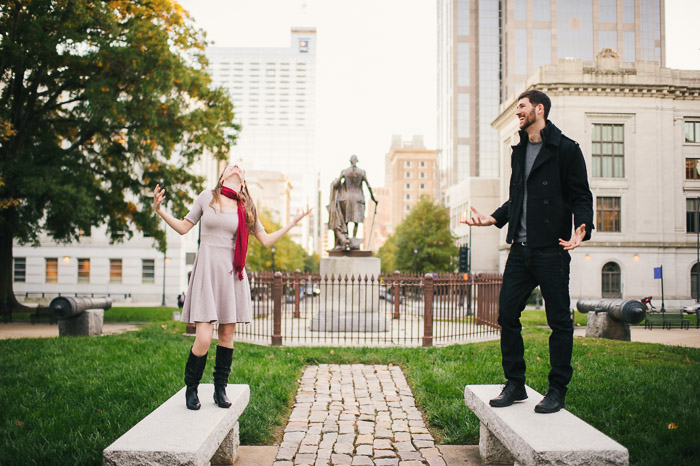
387 254
99 101
289 256
426 228
312 263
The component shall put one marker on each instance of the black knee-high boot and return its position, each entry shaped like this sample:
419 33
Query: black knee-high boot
193 374
222 368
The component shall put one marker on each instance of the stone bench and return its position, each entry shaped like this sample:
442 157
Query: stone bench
175 435
518 435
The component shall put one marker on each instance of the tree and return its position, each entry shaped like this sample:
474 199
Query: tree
289 256
99 101
426 228
387 255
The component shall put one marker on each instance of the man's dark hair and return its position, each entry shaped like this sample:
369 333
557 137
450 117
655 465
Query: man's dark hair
537 97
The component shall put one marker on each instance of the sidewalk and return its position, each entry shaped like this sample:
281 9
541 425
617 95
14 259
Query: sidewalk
358 415
674 337
44 330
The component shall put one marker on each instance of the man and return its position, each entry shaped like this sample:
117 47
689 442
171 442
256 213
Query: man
548 187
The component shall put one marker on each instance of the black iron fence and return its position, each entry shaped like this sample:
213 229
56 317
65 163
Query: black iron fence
388 310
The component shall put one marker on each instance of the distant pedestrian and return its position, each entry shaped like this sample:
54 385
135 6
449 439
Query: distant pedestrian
218 290
548 190
181 300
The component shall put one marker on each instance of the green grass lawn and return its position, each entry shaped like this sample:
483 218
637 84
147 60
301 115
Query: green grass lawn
65 399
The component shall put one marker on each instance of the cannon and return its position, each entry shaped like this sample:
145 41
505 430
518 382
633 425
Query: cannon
79 315
610 318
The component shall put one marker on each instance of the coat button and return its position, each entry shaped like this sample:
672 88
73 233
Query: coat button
544 182
546 201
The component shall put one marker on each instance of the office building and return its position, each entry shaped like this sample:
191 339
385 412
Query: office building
273 90
412 173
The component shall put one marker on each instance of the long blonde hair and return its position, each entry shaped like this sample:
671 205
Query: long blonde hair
251 213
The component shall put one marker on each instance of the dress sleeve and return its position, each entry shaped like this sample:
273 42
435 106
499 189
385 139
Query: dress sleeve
259 226
198 208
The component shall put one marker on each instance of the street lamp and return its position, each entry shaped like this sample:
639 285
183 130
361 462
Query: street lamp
165 259
273 250
415 260
697 232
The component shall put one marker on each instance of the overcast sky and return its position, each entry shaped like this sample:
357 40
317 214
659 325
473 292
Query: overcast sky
376 64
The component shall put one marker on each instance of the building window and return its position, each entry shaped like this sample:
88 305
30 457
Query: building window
692 215
115 270
407 163
694 272
611 281
408 185
422 186
20 269
51 270
148 271
608 214
407 174
608 151
83 270
692 131
692 169
422 164
407 197
422 174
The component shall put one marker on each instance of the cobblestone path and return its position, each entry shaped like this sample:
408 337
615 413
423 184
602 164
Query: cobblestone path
359 415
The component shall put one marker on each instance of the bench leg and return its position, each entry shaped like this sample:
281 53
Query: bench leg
228 450
491 449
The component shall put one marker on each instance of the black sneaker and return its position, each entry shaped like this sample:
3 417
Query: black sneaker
552 402
510 394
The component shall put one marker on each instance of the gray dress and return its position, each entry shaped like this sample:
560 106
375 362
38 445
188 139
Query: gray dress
214 293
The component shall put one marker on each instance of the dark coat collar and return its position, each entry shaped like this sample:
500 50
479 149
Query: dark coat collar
551 135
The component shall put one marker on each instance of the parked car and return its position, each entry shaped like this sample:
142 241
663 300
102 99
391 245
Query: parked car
388 294
310 290
692 309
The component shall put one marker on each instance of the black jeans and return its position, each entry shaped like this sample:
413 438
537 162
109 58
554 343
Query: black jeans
525 269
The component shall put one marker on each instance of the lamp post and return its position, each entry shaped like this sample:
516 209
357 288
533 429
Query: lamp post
415 260
165 252
697 249
162 301
273 250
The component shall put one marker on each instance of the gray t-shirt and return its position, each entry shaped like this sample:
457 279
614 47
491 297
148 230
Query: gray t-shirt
531 152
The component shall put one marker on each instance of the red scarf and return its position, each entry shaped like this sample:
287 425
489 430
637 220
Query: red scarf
242 235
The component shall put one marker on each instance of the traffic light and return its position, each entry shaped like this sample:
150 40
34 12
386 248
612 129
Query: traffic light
463 259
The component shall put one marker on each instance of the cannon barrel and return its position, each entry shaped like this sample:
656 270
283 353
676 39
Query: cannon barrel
65 307
622 310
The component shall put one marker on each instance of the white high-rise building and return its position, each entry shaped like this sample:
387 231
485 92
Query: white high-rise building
273 90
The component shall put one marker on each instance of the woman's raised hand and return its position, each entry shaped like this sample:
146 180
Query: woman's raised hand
158 196
299 215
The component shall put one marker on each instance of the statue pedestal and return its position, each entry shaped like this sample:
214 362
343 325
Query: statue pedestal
349 305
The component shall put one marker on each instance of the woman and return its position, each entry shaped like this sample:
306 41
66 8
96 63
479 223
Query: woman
218 290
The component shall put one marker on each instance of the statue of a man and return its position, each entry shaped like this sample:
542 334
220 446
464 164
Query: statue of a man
347 195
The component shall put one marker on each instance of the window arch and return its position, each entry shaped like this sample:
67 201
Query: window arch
694 271
611 281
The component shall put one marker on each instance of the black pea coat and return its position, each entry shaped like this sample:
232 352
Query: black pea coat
557 190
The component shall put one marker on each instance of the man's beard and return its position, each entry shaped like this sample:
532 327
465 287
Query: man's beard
530 118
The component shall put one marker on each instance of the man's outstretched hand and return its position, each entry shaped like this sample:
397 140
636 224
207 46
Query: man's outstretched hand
575 240
478 219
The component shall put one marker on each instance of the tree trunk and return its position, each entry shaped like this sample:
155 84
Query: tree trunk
8 301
